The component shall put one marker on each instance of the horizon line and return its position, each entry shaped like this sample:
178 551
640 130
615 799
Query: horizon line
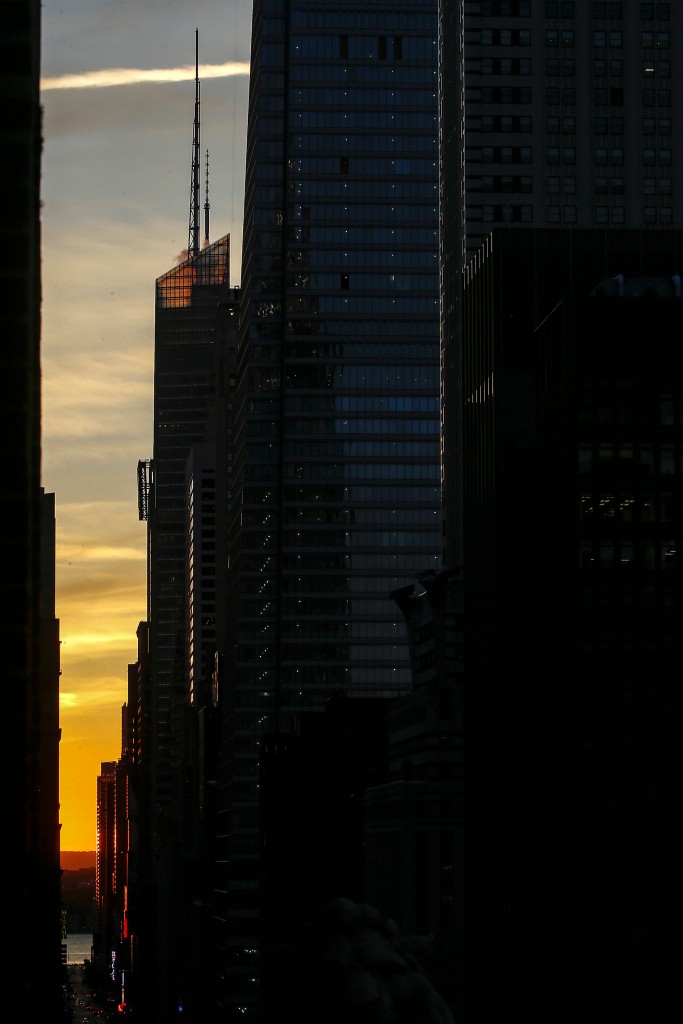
108 77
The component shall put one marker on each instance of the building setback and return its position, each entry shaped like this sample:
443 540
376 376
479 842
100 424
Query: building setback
336 460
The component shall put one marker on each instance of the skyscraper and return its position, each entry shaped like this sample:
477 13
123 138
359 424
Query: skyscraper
561 115
336 460
192 324
553 113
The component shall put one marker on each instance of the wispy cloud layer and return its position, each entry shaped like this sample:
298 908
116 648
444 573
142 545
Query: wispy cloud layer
134 76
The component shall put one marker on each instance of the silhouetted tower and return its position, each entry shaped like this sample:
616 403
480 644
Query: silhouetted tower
193 234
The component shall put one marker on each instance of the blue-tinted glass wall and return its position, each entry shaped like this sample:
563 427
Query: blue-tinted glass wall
337 418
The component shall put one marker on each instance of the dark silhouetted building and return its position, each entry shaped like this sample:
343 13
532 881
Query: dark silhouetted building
336 445
192 327
573 376
30 638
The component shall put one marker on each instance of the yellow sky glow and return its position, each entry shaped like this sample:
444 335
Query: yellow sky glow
135 76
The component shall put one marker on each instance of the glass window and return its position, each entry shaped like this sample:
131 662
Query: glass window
552 185
600 125
665 186
552 37
648 157
569 124
552 9
600 68
552 125
553 155
617 214
617 186
600 157
569 184
569 94
600 97
569 215
569 155
648 67
666 215
617 126
552 66
662 40
617 157
616 68
616 97
568 67
615 10
567 37
647 11
664 68
600 39
567 8
600 10
552 94
615 40
665 157
649 215
648 97
663 12
649 186
553 214
664 97
649 125
601 185
647 39
601 214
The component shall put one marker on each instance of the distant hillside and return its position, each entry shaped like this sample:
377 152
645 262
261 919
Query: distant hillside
74 860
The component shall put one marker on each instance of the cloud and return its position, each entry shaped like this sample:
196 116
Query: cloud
134 76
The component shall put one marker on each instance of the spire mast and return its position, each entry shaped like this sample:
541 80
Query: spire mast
193 237
206 202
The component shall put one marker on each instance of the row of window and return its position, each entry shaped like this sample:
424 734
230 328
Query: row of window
564 155
362 404
361 47
628 508
312 377
336 427
355 188
602 10
379 20
648 555
566 9
362 144
321 449
523 214
563 125
368 258
566 37
424 494
348 97
375 166
395 74
363 282
358 235
350 212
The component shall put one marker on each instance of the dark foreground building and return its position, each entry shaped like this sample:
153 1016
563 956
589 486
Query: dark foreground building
573 526
336 457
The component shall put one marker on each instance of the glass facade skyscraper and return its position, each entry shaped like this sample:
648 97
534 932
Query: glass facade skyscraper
336 424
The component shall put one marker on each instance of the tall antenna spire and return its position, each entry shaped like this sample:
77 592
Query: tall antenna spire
206 202
193 236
